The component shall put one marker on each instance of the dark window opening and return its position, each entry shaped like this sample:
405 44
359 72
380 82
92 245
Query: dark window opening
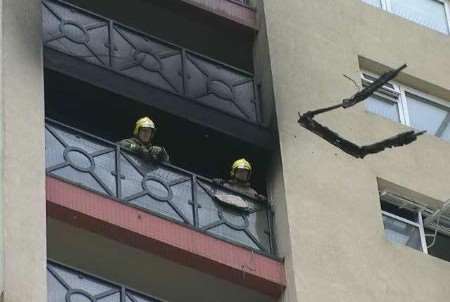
195 148
441 247
398 211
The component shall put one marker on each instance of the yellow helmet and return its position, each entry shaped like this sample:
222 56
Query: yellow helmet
241 163
144 122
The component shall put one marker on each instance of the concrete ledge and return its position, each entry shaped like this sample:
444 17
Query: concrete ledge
162 237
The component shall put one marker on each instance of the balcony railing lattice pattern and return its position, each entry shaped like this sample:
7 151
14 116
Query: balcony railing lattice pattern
70 285
162 189
149 60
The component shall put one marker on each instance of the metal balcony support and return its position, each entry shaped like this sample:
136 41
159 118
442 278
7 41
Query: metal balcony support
69 284
162 189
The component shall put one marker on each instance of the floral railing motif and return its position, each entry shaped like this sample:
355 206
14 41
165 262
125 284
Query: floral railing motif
162 189
149 60
70 285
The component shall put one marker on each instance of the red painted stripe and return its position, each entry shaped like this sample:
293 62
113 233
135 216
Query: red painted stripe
163 237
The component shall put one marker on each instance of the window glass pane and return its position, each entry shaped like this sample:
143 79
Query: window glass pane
424 115
383 107
429 13
376 3
401 233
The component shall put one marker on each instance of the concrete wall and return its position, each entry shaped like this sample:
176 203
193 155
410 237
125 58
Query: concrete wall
2 262
329 218
263 72
22 119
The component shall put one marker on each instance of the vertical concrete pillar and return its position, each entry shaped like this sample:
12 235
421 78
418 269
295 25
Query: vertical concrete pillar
23 173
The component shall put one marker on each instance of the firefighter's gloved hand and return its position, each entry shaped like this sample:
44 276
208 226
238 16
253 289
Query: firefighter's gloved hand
159 154
156 152
145 152
134 147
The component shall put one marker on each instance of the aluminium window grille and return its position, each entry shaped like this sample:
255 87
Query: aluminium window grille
416 225
410 107
433 14
403 227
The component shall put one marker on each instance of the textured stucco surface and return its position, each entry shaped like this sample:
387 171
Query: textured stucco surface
23 197
2 263
329 218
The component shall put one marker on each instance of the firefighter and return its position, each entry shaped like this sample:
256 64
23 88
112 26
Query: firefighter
241 172
141 142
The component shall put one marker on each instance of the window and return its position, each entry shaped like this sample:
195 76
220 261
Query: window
403 227
410 107
429 13
412 224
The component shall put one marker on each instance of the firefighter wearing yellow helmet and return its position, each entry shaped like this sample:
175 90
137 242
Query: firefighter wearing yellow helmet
241 172
141 142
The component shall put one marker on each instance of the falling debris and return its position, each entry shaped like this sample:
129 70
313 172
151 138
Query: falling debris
307 121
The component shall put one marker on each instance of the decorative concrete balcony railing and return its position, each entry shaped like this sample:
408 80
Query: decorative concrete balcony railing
164 75
161 189
67 284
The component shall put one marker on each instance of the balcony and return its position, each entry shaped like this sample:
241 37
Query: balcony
144 68
67 284
164 190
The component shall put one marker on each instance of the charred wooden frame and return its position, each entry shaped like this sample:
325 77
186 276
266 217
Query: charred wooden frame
307 121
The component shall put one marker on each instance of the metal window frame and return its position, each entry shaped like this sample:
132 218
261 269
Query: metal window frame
386 5
418 225
398 95
429 99
395 101
393 94
428 215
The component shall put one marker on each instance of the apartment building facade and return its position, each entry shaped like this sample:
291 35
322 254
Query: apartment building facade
84 220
